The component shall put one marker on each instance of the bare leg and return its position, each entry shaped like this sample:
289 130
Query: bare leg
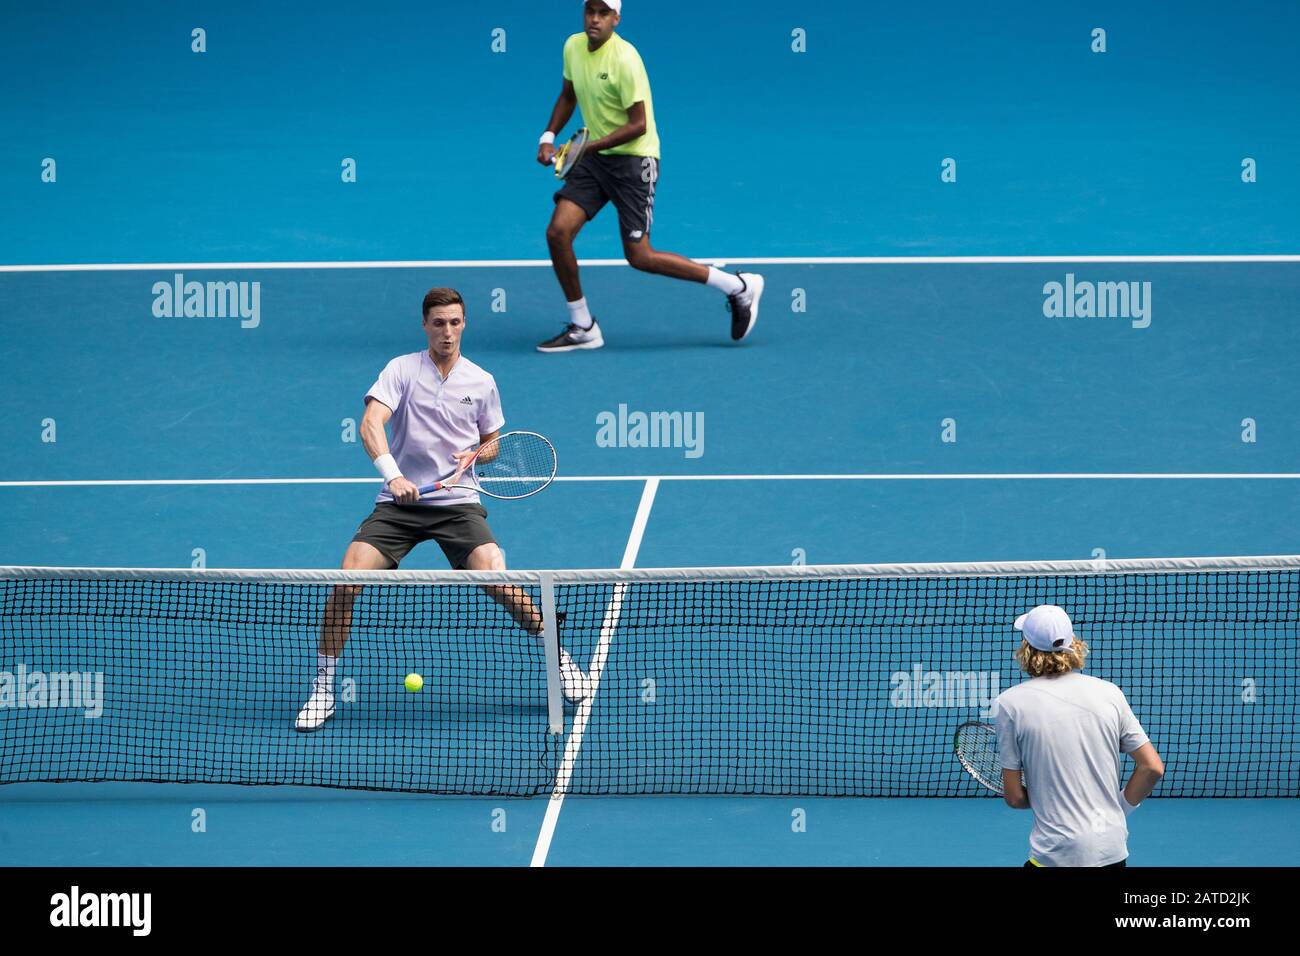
566 222
640 255
488 557
336 623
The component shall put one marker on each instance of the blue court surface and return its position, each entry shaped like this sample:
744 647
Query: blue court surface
908 395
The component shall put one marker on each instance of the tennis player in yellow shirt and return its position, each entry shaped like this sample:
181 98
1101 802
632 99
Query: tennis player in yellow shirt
604 75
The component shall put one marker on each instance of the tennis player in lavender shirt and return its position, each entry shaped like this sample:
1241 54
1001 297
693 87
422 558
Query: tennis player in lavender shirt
438 407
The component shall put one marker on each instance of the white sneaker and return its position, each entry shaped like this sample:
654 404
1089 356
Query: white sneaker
319 707
574 337
744 305
575 684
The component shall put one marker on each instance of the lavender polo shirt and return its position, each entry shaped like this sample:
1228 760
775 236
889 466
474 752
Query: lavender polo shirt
433 417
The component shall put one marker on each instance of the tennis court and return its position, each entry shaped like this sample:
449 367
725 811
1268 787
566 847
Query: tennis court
906 398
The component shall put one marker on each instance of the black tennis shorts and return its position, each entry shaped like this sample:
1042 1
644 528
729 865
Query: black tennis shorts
1031 865
627 181
395 529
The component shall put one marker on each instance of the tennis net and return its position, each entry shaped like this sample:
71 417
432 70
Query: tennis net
813 680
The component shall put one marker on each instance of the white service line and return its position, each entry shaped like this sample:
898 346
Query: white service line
966 476
937 476
607 627
546 263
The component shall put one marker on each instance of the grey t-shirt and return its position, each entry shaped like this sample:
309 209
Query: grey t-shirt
1066 733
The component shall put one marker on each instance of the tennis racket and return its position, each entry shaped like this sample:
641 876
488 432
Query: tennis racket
513 465
976 745
568 155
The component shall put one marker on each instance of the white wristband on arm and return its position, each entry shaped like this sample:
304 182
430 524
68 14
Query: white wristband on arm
1125 805
387 466
547 137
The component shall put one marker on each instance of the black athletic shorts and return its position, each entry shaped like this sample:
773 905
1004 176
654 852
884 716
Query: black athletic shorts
627 181
395 529
1030 864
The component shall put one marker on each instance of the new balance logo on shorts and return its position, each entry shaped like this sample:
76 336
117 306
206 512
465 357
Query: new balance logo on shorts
467 400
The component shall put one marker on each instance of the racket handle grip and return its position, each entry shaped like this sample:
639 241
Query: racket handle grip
436 486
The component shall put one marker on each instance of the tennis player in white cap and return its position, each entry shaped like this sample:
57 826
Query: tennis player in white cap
1065 731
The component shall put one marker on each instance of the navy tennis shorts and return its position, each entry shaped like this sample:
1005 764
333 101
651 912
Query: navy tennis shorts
626 181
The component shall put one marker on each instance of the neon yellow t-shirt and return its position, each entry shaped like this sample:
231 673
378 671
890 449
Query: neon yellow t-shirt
607 82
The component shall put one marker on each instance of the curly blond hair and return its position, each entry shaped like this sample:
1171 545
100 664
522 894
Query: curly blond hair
1038 663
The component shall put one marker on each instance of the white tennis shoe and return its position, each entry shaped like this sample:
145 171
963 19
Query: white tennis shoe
575 684
319 707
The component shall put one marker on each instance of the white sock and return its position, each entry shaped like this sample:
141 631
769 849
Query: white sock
724 280
578 314
325 668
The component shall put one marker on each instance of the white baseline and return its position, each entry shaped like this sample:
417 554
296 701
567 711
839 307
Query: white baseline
865 476
546 263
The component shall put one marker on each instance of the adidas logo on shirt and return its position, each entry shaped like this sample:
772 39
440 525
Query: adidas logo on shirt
467 400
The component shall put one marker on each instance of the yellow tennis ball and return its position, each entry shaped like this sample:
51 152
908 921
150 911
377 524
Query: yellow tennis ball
414 682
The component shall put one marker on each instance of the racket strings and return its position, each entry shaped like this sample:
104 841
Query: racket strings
568 155
977 749
520 464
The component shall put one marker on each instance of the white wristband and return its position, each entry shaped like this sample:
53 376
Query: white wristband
1125 805
387 466
547 137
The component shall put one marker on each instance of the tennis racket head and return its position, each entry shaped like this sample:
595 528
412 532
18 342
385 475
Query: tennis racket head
976 745
515 465
570 154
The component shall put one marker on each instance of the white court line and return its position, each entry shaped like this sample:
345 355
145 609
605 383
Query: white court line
607 627
918 476
545 263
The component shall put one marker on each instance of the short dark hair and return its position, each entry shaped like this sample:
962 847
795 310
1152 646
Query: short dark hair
436 297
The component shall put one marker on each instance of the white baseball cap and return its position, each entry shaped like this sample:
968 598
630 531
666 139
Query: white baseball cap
615 5
1047 628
